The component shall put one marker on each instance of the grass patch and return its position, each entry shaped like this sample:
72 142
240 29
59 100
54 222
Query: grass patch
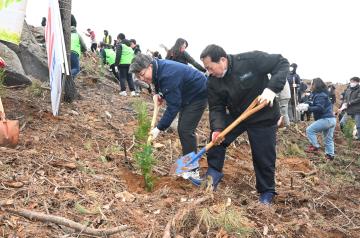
36 88
229 218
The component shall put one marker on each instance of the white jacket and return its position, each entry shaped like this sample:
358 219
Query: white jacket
285 93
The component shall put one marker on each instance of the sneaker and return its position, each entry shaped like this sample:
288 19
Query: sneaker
134 94
329 157
123 93
311 149
266 198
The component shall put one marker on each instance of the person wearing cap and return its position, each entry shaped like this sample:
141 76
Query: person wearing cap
351 104
235 81
184 90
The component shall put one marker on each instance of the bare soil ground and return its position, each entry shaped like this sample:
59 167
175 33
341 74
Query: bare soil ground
75 166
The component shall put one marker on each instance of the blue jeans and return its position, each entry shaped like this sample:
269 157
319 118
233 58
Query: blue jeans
75 64
327 127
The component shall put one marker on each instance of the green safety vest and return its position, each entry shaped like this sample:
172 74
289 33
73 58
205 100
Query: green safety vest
127 54
110 56
106 40
75 43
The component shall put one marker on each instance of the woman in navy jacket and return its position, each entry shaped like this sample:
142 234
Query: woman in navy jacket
184 90
325 121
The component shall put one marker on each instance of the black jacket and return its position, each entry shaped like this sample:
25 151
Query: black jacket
185 58
245 79
352 98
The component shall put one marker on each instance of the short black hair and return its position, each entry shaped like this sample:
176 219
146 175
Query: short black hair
213 51
121 36
133 41
356 79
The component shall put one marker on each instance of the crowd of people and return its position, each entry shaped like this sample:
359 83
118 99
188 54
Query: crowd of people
227 84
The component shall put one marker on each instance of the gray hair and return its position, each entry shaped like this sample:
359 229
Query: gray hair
139 63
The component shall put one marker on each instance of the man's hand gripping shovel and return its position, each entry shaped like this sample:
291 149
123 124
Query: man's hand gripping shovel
153 120
190 161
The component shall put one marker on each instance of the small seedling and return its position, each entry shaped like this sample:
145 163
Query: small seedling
144 157
348 131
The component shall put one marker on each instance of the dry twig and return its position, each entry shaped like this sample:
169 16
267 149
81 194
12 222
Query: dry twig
66 222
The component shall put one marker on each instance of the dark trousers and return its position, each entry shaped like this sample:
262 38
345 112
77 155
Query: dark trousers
189 118
93 47
263 147
124 75
75 64
113 70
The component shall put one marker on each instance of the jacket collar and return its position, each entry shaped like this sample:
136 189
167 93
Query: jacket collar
230 65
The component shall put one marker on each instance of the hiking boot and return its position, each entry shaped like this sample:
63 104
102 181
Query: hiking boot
211 174
329 157
311 149
123 93
266 198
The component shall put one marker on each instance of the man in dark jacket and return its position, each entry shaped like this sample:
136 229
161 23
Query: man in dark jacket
352 104
184 90
295 83
234 82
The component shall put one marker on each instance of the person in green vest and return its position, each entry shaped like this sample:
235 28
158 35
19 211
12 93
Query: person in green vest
124 56
108 58
77 47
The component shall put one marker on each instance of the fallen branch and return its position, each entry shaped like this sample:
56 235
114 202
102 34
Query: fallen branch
66 222
349 220
181 213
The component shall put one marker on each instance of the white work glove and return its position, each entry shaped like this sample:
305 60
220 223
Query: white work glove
267 95
154 133
302 107
343 107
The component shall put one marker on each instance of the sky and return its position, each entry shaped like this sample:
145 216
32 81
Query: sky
321 36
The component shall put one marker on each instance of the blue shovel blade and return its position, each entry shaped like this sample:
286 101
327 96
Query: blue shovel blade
188 162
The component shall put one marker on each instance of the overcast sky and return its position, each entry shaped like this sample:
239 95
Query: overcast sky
321 36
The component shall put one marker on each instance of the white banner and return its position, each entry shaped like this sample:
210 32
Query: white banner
56 53
12 14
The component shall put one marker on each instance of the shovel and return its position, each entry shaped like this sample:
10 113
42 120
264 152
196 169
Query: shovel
190 161
9 130
153 120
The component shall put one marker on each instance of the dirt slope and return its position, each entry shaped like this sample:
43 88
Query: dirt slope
75 166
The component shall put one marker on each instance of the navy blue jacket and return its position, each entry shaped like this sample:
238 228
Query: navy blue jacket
321 105
179 85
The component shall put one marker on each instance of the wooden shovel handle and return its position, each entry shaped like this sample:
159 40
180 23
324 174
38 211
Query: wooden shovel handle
255 106
153 120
